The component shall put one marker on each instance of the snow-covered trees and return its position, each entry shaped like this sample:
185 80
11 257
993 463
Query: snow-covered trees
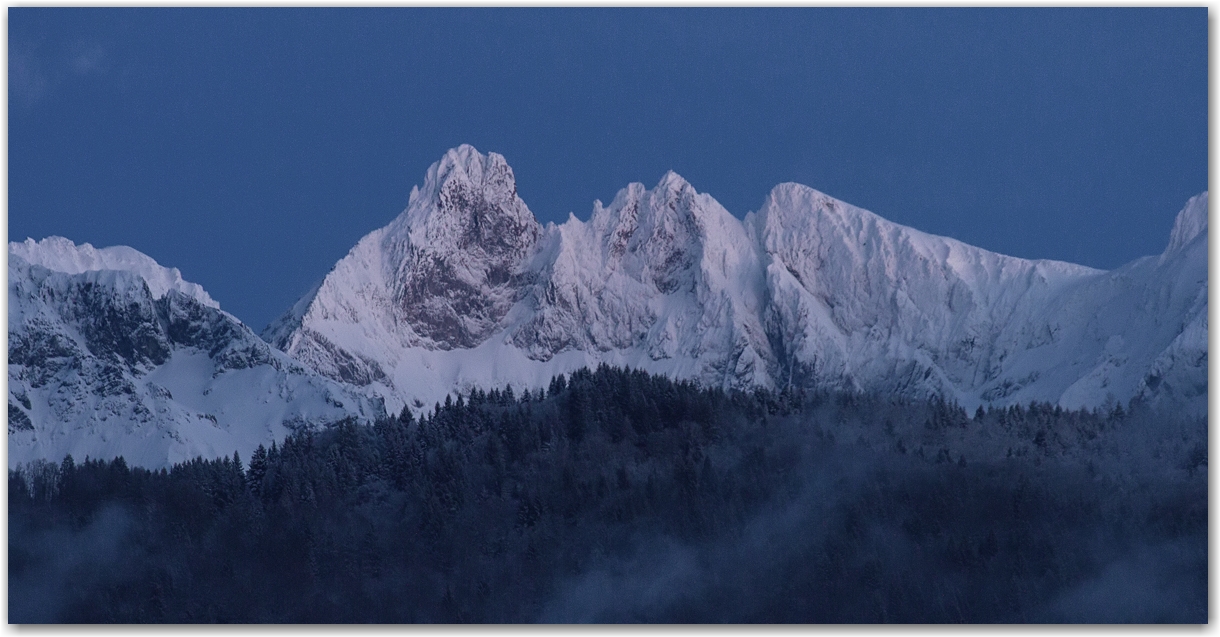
693 505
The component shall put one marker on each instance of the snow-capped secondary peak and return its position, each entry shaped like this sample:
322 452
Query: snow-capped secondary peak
1190 223
661 220
62 255
111 354
793 206
673 182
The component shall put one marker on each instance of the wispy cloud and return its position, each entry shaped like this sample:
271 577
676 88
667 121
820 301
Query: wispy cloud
28 81
89 60
36 71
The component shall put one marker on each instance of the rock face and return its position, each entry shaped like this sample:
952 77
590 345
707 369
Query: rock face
465 289
659 278
455 260
111 354
443 275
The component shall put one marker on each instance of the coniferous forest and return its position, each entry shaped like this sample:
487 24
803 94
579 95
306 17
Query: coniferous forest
616 496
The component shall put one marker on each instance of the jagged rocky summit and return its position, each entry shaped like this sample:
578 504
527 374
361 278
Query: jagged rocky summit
111 354
466 289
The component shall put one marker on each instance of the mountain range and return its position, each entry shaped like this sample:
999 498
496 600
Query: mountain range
112 353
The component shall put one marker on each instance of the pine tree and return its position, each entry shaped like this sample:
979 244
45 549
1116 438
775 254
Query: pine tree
558 384
258 469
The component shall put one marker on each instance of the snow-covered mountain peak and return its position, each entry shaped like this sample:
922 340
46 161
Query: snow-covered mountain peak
805 225
465 163
441 275
453 259
792 203
62 255
111 354
664 231
797 217
468 200
1190 223
673 182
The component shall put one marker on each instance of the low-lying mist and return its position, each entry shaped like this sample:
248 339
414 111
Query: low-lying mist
616 496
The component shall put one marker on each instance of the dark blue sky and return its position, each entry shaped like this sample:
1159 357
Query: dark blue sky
251 148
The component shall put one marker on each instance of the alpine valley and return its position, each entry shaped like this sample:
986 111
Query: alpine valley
111 353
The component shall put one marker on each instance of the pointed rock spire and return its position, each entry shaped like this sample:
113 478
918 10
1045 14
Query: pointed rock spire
457 252
1190 223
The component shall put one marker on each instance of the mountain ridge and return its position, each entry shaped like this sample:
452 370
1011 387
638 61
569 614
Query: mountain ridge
106 361
808 290
113 354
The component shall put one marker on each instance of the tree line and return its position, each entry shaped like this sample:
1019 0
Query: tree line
615 495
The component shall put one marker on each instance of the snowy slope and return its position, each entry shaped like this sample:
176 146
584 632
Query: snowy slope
1145 324
866 303
111 354
62 255
465 289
